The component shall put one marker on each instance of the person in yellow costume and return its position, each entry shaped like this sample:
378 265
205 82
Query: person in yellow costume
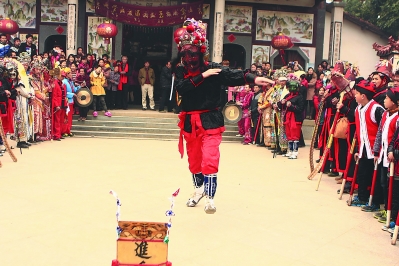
97 81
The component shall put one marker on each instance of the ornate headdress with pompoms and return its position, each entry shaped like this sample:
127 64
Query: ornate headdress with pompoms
193 32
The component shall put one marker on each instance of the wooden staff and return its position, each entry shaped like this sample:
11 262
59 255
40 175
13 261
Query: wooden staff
329 144
353 183
390 190
319 115
257 128
348 161
373 182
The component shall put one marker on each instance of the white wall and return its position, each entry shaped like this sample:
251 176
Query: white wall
356 45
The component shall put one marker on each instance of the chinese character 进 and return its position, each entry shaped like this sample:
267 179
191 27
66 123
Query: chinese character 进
141 250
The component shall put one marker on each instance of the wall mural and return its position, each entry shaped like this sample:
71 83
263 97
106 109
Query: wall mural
238 19
260 54
23 12
90 8
54 11
298 26
95 43
206 9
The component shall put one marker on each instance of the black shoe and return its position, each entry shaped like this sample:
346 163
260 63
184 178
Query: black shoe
62 137
57 139
333 174
260 145
279 153
318 160
144 109
22 145
27 143
152 109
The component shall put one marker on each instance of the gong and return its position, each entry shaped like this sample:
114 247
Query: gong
84 97
232 113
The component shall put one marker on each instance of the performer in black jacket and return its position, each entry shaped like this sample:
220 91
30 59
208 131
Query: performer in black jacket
198 83
292 107
166 84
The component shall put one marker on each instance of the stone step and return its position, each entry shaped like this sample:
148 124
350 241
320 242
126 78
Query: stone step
137 124
146 129
137 135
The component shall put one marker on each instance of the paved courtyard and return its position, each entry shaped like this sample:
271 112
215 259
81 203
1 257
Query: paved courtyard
55 208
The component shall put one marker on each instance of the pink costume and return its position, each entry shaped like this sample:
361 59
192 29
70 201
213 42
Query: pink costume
246 117
240 98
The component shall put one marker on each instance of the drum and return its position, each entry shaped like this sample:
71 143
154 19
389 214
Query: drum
232 113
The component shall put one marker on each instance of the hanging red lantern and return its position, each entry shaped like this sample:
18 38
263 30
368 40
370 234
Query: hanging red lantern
107 30
8 26
281 42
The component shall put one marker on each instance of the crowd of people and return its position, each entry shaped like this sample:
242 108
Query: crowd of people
273 116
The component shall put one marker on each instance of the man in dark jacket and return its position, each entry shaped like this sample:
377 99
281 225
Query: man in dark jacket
166 84
255 114
28 46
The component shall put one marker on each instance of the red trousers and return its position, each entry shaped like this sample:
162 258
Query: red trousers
66 127
203 153
56 126
292 128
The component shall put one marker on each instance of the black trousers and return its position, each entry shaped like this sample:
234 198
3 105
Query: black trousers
83 111
165 99
255 118
122 96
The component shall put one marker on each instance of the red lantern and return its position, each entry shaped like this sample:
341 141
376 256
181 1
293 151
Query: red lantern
281 42
107 30
8 26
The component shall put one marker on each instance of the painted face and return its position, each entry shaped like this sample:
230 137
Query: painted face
191 57
292 86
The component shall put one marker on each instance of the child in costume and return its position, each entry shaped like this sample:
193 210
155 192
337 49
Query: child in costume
368 116
385 133
292 114
198 82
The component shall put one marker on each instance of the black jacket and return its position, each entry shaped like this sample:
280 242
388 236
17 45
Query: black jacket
33 50
199 94
296 106
165 78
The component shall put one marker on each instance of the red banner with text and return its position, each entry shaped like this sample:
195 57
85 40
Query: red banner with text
147 15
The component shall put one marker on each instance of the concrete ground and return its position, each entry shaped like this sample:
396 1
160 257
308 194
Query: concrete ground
55 208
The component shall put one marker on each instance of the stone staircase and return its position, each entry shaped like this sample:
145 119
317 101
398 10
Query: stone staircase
138 124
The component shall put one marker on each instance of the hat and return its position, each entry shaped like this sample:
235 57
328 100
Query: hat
383 67
192 33
365 87
65 71
393 93
338 68
24 58
280 74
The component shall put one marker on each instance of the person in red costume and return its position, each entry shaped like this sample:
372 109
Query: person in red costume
381 77
56 103
198 82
